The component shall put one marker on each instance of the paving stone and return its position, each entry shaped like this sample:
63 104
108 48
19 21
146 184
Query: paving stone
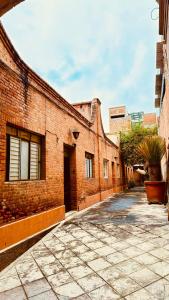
48 295
39 253
160 253
140 295
71 289
88 239
96 248
52 242
80 249
146 246
59 233
110 274
83 297
129 266
80 271
146 259
59 278
98 264
121 245
25 258
161 268
79 234
66 238
110 240
146 236
132 251
159 289
104 251
105 292
116 257
9 283
88 256
30 276
166 247
125 286
166 228
134 241
26 266
70 263
13 294
144 277
36 287
90 282
51 268
44 260
101 235
57 248
64 254
8 273
160 242
74 244
95 245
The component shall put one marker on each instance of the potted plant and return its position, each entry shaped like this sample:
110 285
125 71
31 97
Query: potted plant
152 149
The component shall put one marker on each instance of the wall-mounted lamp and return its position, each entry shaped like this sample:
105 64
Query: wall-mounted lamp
75 133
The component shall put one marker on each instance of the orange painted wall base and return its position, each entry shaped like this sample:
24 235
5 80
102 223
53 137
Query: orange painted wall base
93 199
15 232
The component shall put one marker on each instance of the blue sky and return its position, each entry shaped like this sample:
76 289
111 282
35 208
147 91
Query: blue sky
90 48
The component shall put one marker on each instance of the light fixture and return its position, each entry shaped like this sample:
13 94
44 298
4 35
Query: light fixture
75 133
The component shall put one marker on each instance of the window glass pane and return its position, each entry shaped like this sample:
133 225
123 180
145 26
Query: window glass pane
14 159
24 159
87 168
89 164
34 161
91 171
105 168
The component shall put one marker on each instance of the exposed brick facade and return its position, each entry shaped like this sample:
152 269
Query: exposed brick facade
29 103
120 120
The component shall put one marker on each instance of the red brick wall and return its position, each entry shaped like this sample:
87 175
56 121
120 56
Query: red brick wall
149 120
41 110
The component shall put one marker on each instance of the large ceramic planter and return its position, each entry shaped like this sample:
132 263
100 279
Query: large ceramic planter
156 192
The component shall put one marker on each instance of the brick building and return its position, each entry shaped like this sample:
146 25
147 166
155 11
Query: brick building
162 80
52 154
121 120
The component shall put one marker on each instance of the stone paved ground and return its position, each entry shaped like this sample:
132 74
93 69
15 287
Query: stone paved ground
116 250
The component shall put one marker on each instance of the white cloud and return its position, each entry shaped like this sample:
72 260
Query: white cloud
104 41
137 68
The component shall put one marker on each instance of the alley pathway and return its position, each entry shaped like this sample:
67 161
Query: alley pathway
118 249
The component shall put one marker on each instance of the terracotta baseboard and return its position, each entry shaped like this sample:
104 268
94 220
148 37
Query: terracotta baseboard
12 233
93 199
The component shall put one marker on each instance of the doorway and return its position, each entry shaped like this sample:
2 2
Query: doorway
69 178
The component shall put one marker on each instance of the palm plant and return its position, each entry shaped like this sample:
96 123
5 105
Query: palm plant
152 149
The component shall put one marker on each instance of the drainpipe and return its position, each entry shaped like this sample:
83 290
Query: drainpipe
98 145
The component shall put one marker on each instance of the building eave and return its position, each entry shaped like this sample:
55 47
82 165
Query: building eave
7 5
32 75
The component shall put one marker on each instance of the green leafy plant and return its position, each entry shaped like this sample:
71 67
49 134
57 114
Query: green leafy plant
152 149
129 142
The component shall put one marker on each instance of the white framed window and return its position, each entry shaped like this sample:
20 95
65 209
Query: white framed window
89 165
105 168
23 156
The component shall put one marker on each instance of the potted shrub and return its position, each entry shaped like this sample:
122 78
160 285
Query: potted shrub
152 149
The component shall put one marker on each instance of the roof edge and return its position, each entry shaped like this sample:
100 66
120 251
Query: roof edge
33 75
